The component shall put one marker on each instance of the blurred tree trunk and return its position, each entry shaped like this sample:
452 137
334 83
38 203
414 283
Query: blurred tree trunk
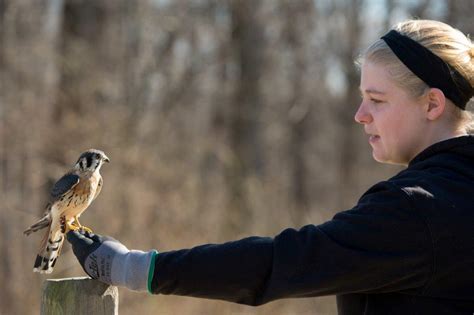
3 8
27 80
420 8
5 295
298 20
348 146
81 31
457 17
248 42
389 4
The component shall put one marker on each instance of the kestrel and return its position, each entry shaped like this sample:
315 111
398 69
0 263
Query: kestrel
69 197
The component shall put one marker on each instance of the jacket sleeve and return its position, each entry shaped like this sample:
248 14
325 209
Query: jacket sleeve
381 245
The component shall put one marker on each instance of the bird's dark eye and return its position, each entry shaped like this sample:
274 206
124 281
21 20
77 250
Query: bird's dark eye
97 156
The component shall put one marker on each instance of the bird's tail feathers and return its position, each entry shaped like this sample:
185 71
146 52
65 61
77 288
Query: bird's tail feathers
51 247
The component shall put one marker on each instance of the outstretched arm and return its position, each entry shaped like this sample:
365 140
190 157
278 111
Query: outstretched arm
382 245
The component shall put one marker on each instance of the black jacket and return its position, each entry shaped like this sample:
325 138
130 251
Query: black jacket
407 247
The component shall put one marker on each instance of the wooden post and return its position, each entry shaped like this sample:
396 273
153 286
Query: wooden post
78 296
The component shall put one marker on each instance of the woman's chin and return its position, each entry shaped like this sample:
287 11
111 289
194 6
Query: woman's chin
381 158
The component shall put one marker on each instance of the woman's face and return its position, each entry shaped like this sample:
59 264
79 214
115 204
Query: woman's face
394 120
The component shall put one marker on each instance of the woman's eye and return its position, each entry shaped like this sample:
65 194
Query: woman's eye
373 100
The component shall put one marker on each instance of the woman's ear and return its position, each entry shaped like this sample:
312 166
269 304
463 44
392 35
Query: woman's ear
436 104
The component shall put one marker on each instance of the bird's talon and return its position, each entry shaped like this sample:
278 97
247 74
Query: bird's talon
85 229
70 227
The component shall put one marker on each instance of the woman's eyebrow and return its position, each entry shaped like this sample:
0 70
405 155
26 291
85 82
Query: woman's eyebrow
371 91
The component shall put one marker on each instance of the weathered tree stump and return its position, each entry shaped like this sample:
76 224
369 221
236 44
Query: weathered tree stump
76 296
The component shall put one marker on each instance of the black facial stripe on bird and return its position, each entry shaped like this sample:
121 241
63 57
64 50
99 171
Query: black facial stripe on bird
89 161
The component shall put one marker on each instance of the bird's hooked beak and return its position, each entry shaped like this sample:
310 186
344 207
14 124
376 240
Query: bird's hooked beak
106 159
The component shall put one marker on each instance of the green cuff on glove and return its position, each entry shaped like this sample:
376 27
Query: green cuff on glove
151 271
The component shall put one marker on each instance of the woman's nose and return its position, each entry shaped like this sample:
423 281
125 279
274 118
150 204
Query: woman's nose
362 116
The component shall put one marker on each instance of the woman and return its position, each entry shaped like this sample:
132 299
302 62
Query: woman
406 247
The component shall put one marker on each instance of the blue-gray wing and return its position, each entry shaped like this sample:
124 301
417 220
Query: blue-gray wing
64 184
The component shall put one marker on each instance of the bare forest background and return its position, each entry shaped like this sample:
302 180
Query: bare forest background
222 119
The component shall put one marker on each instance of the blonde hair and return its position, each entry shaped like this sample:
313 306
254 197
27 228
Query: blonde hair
446 42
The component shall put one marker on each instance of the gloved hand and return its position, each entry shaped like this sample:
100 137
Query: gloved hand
107 260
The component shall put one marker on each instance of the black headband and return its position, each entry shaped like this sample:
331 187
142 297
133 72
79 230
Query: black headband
430 68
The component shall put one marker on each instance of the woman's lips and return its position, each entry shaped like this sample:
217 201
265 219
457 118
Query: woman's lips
373 138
